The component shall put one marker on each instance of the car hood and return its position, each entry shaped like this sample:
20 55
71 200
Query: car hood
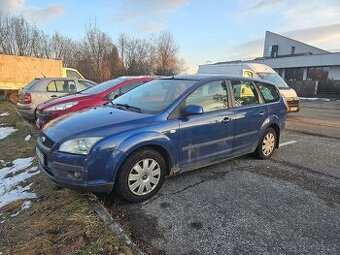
99 121
63 100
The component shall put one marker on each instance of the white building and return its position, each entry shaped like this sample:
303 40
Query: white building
295 60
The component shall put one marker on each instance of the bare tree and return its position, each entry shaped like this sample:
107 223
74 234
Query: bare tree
167 61
138 56
95 56
99 49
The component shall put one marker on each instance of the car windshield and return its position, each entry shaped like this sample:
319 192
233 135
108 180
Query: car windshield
101 87
153 96
274 78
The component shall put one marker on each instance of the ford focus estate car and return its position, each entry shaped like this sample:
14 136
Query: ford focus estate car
95 96
161 128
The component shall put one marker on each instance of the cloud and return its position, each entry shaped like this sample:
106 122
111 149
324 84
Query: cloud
265 4
142 12
151 27
10 5
35 14
294 14
247 50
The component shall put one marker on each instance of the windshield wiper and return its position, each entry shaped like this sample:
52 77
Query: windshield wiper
128 107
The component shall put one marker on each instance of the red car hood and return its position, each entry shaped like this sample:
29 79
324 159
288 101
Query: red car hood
65 99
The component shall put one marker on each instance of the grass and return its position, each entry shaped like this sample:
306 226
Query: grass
60 221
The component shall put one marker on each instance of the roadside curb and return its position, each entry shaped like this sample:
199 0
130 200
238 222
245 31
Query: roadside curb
112 225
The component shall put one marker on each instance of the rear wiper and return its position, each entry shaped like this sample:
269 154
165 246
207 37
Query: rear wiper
129 107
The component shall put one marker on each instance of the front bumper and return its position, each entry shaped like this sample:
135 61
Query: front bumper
293 104
70 171
43 118
86 187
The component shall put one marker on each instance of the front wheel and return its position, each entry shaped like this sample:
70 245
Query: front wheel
141 175
267 144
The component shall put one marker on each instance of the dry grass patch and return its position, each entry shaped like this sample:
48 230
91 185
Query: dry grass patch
59 221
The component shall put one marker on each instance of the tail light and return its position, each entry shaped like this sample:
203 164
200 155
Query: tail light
27 98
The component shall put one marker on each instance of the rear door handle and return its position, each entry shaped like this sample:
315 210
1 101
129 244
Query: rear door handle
261 113
224 120
54 96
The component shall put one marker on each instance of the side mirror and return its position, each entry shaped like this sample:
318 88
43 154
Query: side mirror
192 110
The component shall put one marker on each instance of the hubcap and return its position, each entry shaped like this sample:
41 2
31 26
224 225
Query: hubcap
268 144
144 176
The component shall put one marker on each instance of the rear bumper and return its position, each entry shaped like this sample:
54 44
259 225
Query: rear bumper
26 111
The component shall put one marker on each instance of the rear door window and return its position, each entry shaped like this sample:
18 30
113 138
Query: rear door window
62 86
269 92
244 93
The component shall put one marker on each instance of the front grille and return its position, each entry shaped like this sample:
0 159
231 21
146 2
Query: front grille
47 142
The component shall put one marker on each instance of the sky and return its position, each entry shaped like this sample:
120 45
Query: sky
206 31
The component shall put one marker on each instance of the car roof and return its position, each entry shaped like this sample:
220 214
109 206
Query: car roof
203 77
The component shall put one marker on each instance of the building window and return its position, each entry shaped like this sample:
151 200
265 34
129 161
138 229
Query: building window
294 74
317 73
292 50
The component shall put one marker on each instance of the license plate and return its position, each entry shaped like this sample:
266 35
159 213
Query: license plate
41 156
293 109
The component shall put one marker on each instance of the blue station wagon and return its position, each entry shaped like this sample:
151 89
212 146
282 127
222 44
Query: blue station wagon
161 128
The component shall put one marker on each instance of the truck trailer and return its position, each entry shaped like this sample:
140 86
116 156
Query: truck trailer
17 71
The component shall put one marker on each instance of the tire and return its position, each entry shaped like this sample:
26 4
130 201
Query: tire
141 175
267 144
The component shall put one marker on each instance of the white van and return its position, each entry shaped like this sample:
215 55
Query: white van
258 71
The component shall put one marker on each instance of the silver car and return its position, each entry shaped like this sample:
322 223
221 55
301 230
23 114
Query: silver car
43 89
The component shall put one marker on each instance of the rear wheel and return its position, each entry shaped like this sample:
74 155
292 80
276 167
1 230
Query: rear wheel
141 175
267 144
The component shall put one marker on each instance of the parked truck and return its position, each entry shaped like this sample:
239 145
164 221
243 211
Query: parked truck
258 71
17 71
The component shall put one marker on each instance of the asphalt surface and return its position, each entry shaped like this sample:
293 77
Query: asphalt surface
289 204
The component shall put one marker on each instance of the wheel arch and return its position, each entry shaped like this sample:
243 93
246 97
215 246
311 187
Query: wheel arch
154 141
276 128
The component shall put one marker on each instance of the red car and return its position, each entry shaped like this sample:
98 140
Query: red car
95 96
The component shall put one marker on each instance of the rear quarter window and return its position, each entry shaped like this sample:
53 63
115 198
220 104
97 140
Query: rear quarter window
269 92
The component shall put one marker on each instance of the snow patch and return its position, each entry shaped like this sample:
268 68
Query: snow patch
27 138
315 99
12 181
25 205
4 114
6 131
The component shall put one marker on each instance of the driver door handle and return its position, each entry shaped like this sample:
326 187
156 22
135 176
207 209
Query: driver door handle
261 113
53 95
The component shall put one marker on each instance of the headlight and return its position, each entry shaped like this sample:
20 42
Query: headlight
60 107
79 145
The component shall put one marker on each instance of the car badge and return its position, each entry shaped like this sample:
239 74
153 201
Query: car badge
43 139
